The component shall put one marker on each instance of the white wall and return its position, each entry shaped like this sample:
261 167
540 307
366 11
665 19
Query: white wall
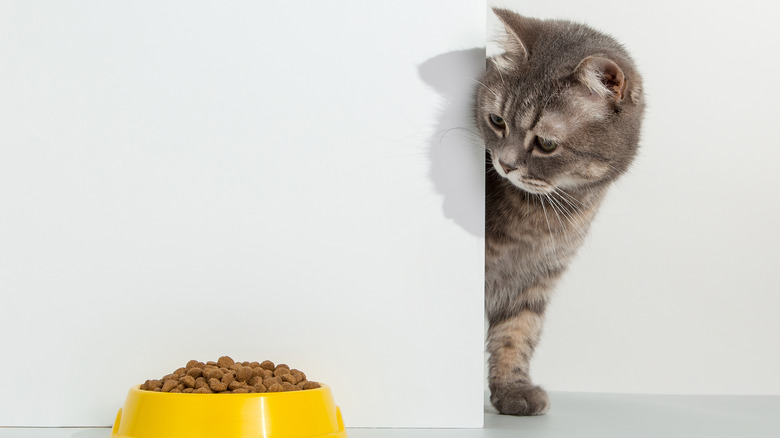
184 180
676 289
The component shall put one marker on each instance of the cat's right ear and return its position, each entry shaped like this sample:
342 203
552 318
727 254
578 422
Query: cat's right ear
603 77
520 32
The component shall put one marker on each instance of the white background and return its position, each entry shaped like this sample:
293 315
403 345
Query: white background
676 289
176 180
184 180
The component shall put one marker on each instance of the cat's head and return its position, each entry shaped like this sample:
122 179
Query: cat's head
561 107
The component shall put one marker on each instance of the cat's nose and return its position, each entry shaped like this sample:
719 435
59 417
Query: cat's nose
507 168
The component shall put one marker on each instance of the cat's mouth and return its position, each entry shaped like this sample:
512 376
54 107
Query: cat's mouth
524 182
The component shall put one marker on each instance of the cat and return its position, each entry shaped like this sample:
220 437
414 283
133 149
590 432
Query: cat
560 113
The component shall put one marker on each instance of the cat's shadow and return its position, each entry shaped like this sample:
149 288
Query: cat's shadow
456 151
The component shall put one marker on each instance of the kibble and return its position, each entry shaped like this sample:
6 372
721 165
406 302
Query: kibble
280 371
213 373
217 386
290 387
270 381
225 362
226 376
243 374
308 385
276 388
169 385
188 381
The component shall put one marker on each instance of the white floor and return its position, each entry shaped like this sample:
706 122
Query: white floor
576 415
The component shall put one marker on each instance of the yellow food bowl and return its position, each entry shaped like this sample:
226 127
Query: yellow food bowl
295 414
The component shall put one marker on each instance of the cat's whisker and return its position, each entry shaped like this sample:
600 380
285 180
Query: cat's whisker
568 215
563 197
575 219
470 138
486 87
566 203
552 237
568 196
570 207
500 75
572 220
573 224
556 211
460 128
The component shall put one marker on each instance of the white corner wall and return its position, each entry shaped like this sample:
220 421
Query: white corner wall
676 289
184 180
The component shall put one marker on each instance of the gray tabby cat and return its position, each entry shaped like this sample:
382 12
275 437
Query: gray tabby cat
560 114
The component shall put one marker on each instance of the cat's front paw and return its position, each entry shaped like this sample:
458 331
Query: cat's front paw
519 399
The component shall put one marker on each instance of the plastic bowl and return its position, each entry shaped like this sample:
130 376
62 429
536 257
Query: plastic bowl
295 414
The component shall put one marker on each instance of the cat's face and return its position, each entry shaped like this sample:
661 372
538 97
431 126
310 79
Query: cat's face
561 109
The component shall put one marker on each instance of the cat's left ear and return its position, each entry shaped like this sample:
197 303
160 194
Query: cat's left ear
603 77
520 32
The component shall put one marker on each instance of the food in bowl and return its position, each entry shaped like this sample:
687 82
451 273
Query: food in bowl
226 376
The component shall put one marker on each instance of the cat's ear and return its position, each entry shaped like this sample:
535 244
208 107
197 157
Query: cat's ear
603 77
520 32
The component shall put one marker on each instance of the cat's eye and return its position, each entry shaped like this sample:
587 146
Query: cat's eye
546 145
497 121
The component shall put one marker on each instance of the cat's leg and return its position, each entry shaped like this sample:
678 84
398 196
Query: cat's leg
511 342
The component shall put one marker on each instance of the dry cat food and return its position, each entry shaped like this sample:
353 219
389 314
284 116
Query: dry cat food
227 376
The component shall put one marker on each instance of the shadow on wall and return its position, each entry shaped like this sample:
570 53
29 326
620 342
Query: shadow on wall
456 150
